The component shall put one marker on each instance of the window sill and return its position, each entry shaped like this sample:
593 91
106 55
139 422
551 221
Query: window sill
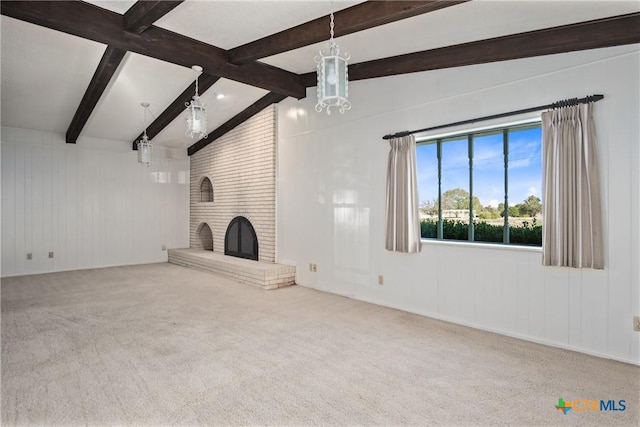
498 246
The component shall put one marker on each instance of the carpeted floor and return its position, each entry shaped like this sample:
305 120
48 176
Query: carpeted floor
164 345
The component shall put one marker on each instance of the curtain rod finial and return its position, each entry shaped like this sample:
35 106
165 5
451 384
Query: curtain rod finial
398 135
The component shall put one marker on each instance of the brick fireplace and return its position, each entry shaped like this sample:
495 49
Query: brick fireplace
233 206
235 177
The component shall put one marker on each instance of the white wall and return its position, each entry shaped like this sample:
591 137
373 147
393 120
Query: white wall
92 204
331 190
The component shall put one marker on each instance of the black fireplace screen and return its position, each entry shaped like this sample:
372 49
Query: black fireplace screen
240 240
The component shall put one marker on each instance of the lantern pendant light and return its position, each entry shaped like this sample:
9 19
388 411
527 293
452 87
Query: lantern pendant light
145 149
196 113
333 81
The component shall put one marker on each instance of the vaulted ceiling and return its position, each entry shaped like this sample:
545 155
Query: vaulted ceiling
83 68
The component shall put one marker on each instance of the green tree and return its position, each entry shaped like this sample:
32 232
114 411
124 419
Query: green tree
489 212
531 206
458 198
429 208
514 211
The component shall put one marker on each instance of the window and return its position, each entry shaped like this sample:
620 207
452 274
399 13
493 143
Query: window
466 180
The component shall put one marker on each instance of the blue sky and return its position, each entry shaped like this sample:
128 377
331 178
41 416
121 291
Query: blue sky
525 167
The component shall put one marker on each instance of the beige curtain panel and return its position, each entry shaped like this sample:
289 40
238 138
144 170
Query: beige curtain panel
571 189
402 214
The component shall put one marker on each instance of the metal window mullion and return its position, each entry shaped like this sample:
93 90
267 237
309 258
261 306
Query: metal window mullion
439 232
505 150
471 224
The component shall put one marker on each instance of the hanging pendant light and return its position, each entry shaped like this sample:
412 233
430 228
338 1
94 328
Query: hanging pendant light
196 113
145 149
333 79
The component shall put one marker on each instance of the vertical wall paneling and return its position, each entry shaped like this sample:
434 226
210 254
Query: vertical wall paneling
91 204
20 211
38 216
71 210
9 237
620 197
28 211
323 158
594 310
508 288
522 286
575 298
634 230
556 304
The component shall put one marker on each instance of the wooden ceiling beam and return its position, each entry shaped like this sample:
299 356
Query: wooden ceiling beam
238 119
177 107
143 14
600 33
140 16
353 19
94 23
106 69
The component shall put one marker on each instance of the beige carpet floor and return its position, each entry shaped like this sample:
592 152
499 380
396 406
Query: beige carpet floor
164 345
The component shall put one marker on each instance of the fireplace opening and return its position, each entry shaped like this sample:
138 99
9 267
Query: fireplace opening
241 240
205 237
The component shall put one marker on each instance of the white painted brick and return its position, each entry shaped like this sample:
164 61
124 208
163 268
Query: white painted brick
241 167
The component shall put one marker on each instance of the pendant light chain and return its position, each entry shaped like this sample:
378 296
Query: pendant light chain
331 24
147 109
331 27
145 121
332 44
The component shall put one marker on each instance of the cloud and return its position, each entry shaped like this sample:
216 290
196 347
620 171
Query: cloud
519 163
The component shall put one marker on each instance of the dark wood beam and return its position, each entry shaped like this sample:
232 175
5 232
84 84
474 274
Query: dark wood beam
177 107
596 34
237 120
138 18
356 18
143 14
103 26
106 68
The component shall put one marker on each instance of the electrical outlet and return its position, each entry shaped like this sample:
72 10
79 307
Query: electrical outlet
315 268
636 323
164 247
29 256
50 254
381 280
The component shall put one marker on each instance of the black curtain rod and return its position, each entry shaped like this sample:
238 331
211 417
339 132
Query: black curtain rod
559 104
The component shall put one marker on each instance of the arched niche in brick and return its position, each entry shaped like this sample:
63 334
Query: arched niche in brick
204 238
206 190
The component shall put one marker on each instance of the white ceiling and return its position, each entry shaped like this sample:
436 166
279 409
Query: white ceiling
44 73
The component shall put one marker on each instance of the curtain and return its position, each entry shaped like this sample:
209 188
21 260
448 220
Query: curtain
402 214
571 189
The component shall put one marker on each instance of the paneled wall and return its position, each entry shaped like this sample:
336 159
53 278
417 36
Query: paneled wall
331 200
91 204
241 167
